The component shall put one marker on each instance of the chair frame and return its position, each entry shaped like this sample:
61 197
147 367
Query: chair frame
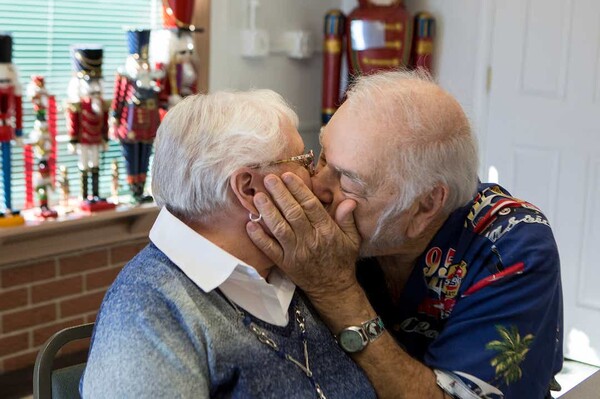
42 371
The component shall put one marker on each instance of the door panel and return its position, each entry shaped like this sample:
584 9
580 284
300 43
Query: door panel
543 137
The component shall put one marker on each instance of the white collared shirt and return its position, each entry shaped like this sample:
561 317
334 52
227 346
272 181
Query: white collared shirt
209 267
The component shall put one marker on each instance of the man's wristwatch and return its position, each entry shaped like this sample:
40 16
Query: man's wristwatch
355 338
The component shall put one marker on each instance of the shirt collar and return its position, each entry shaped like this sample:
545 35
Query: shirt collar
209 267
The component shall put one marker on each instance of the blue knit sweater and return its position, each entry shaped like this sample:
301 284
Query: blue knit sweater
158 335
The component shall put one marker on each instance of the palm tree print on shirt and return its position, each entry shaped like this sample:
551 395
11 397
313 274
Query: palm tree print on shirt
513 350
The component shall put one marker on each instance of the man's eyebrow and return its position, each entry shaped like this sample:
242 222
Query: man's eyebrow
354 177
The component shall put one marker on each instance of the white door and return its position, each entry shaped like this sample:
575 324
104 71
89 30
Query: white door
543 137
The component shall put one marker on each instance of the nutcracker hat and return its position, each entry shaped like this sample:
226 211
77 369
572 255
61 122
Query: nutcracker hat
178 14
86 60
37 80
5 48
138 41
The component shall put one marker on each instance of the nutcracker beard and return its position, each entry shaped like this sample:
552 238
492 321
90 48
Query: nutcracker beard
188 78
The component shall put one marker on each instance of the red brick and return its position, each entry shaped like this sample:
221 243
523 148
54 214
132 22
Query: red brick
91 318
102 278
29 317
20 361
56 289
41 335
83 304
124 253
14 344
13 299
28 273
83 262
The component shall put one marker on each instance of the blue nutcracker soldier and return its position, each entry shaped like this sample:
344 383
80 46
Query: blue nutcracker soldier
134 115
11 125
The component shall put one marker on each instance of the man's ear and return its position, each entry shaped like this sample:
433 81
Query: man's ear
426 210
245 183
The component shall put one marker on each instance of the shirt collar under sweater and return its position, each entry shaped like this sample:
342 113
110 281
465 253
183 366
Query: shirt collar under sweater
209 267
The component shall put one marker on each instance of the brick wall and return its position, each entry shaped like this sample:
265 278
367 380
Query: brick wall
42 296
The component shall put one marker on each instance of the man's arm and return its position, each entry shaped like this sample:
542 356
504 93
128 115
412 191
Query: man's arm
393 372
319 255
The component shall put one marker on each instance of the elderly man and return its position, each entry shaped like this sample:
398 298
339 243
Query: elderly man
458 293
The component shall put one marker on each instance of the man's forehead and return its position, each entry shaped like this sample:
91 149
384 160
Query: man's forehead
345 161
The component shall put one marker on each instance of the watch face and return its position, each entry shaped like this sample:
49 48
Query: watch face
351 340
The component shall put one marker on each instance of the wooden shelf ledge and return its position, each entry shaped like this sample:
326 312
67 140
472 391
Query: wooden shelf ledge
35 239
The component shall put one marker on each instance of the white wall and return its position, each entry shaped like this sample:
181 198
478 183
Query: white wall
457 52
299 81
456 45
461 55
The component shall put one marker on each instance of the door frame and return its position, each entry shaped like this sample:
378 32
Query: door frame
483 81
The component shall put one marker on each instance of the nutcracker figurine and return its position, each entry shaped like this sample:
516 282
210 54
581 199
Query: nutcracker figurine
332 62
114 186
41 141
87 121
134 112
11 128
422 48
62 181
172 52
377 36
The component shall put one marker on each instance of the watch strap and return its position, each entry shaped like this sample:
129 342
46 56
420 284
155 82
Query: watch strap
373 328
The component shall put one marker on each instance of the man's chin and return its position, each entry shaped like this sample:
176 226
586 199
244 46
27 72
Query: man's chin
368 250
380 247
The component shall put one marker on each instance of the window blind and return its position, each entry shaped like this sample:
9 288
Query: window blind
42 32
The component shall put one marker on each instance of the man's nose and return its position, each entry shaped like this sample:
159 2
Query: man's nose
323 184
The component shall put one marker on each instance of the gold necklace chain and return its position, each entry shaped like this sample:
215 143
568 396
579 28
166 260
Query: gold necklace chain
265 339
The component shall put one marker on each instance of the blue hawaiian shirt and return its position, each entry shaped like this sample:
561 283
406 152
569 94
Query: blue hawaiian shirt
483 305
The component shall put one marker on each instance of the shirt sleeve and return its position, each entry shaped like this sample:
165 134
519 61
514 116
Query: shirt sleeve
141 350
507 333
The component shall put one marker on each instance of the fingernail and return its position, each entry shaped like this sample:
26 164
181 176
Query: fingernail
270 181
260 199
287 178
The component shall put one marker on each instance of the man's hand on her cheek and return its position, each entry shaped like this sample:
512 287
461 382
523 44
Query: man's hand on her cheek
316 252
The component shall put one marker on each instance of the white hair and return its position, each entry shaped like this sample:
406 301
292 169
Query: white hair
205 138
425 148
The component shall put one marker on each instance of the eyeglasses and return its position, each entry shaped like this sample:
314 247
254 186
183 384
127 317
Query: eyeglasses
306 160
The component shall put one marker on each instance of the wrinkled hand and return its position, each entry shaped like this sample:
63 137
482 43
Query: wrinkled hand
315 251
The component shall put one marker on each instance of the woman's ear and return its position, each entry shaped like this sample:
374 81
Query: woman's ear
426 210
245 183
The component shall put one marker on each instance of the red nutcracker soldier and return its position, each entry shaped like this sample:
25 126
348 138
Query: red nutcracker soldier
377 36
134 112
332 62
172 52
87 121
422 49
11 125
41 141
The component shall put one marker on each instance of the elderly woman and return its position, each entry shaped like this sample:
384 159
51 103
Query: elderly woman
201 311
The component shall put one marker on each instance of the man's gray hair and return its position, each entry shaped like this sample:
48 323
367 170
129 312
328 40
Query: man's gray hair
205 138
424 148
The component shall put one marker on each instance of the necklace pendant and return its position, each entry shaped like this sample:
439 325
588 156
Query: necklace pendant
320 393
299 365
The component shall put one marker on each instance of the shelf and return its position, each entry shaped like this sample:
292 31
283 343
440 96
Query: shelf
74 232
